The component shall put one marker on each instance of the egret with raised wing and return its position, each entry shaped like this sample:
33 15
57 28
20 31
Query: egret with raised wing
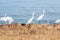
7 19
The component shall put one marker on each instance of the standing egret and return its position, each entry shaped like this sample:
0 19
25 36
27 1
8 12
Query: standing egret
31 19
7 19
57 21
41 16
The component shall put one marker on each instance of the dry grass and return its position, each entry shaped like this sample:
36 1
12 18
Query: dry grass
30 32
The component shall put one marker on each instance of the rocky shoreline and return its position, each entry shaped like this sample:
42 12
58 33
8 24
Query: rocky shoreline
30 32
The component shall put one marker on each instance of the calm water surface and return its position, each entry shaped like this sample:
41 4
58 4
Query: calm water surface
21 10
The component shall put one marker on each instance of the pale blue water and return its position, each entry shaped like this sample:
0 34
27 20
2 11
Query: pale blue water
21 10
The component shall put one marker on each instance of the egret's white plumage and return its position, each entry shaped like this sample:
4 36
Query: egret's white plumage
31 19
57 21
41 16
3 19
7 19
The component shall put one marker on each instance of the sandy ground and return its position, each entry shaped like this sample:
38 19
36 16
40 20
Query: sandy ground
30 32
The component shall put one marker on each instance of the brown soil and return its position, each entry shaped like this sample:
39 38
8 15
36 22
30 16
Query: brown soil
30 32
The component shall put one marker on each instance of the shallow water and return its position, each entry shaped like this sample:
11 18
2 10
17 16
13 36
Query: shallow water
21 10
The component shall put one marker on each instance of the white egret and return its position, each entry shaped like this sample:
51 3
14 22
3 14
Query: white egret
7 19
3 18
41 16
31 19
57 21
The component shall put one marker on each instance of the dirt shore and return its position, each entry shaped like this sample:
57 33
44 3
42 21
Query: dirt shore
30 32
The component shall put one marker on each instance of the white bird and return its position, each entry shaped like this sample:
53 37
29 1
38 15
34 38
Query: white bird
7 19
3 18
41 16
31 19
57 21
